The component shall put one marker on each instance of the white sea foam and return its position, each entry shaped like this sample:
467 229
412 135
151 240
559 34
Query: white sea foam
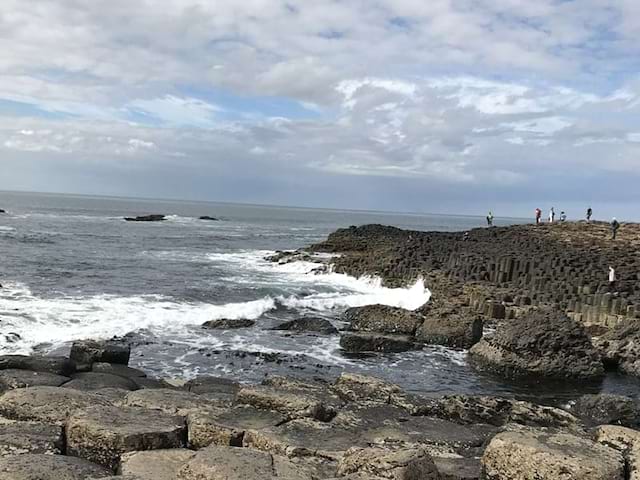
4 228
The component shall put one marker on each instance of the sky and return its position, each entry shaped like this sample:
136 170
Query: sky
443 106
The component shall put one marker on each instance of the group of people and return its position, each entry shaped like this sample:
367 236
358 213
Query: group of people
552 216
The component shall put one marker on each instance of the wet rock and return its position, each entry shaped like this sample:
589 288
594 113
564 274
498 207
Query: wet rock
382 319
455 330
88 381
542 454
308 325
223 463
207 217
30 437
11 378
227 427
354 342
542 344
173 402
620 348
37 363
119 370
458 468
87 352
401 464
607 409
32 466
228 323
627 442
46 404
155 464
290 403
146 218
206 384
103 434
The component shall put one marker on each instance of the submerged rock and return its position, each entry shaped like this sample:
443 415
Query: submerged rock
207 217
527 454
146 218
376 342
382 319
228 323
541 344
308 324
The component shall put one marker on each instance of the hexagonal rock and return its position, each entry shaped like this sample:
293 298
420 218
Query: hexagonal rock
89 381
227 427
382 319
13 378
225 463
46 404
155 464
30 437
290 403
173 402
87 352
31 466
527 454
458 468
626 441
410 463
103 434
37 363
208 384
354 387
457 330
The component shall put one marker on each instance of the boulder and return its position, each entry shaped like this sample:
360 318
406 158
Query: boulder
12 378
155 464
30 437
607 409
34 466
292 404
627 442
308 325
38 363
146 218
226 463
228 323
88 381
87 352
542 344
103 434
455 330
227 427
354 342
382 319
527 454
173 402
620 347
46 404
397 464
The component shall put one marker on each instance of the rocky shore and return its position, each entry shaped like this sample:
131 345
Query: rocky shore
91 416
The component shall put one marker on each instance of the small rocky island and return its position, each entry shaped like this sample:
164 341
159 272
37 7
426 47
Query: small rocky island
528 303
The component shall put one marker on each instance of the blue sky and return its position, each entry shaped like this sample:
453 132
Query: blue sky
453 106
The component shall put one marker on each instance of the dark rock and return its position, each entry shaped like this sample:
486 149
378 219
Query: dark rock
382 319
607 409
32 466
207 217
103 434
29 437
451 329
308 324
11 378
541 344
37 363
46 404
228 323
2 211
211 385
119 370
88 381
375 342
87 352
620 348
146 218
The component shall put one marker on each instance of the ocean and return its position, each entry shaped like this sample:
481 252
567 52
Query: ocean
72 268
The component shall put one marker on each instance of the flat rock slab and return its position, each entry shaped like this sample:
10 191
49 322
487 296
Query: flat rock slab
87 352
116 369
293 404
173 402
155 464
383 319
395 464
454 330
89 381
212 385
37 363
48 467
13 378
228 427
527 454
46 404
226 463
29 437
458 468
607 409
354 387
377 342
103 434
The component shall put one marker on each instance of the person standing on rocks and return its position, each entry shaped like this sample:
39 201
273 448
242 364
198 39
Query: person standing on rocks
538 216
552 215
615 225
563 217
490 219
589 213
612 278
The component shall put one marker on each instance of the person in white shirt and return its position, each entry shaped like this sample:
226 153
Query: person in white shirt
552 215
612 278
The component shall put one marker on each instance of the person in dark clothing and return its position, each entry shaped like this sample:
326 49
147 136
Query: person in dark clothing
538 216
589 213
615 225
490 219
